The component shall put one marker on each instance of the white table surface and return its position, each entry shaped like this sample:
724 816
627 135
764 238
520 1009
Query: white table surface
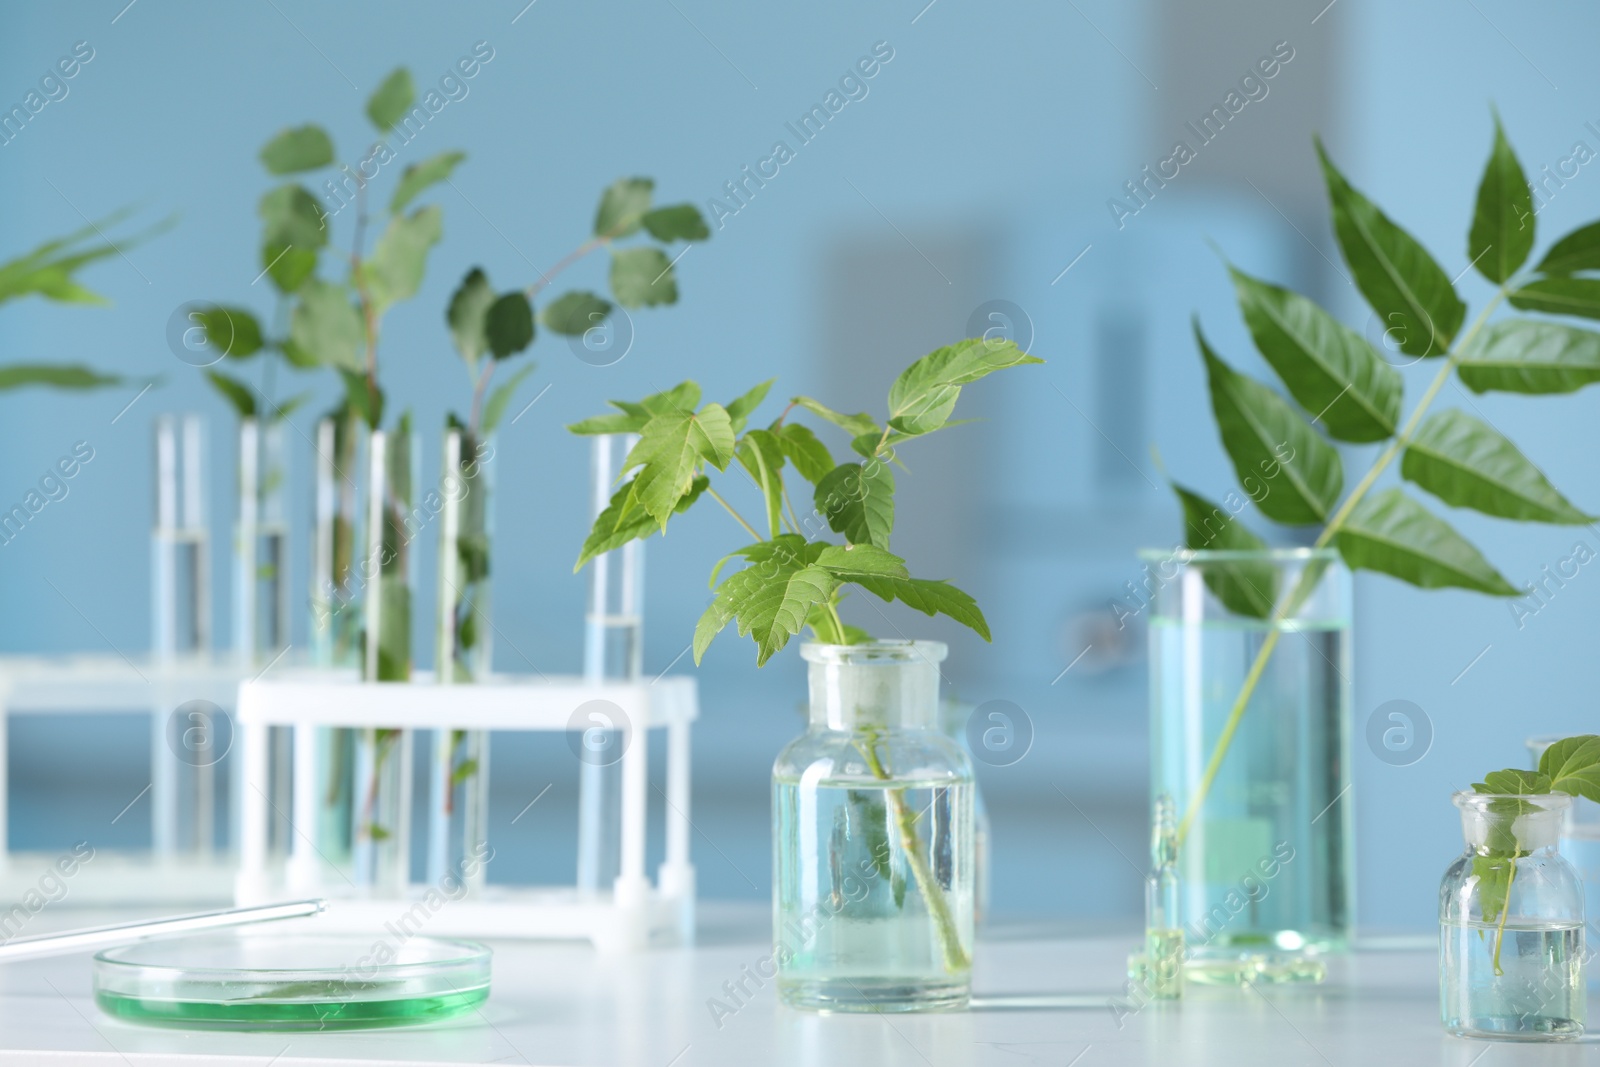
564 1004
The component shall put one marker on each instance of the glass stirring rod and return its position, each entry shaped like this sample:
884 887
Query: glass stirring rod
98 937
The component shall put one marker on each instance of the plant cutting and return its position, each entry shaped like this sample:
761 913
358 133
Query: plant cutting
1342 389
873 806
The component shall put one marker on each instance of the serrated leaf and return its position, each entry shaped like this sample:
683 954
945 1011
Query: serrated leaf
1573 765
1502 223
1559 295
1578 250
857 499
394 271
1245 588
671 446
854 425
771 597
1469 464
1528 356
1393 534
235 392
1293 475
739 410
622 208
762 458
623 520
850 562
494 409
391 100
930 598
575 313
54 375
1513 781
679 222
642 277
327 325
287 265
1411 293
296 149
611 422
232 332
290 215
468 307
417 177
508 324
923 396
801 447
1329 368
681 399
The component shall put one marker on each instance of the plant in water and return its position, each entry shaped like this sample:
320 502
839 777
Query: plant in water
790 579
1340 382
1571 766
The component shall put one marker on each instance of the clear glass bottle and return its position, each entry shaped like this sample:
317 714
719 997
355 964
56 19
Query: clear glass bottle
1580 843
874 869
1511 941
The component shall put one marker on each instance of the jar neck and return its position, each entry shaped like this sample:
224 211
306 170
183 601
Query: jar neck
882 686
1505 824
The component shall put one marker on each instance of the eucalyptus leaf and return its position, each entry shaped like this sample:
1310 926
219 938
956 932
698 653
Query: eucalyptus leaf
234 392
494 409
1578 250
288 266
233 332
54 376
1393 534
1247 588
508 324
1469 464
679 222
857 499
298 149
622 207
417 177
923 396
1529 356
391 100
291 216
1559 295
327 325
468 307
394 271
642 277
574 314
1502 225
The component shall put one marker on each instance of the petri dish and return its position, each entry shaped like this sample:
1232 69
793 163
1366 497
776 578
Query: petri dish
296 982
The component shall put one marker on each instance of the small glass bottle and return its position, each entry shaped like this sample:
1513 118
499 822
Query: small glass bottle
1511 941
873 857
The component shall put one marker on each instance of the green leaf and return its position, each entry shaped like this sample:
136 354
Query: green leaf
391 100
1528 356
575 313
1559 295
1469 464
1513 781
48 269
642 277
854 425
671 446
680 222
740 409
623 520
468 307
622 208
465 769
1329 368
1410 292
762 458
394 272
1578 250
1245 588
291 216
1393 534
857 499
771 598
232 331
923 396
930 598
234 392
419 176
54 375
1573 764
611 422
363 397
681 399
869 820
801 448
849 563
1502 224
288 266
297 149
508 324
327 325
1293 475
288 407
494 409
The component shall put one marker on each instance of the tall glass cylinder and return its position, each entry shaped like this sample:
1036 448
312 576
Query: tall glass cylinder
459 784
613 650
1580 844
873 862
1250 691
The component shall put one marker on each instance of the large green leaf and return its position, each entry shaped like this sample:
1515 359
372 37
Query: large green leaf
1573 765
679 222
623 520
394 272
391 100
809 455
1469 464
233 332
854 425
508 324
852 562
468 307
297 149
290 215
494 409
1292 474
923 396
1502 224
1411 293
234 392
1395 535
575 313
740 408
54 375
327 325
771 598
857 499
761 456
622 207
642 277
1578 250
671 446
1245 587
1329 368
1559 295
930 598
1528 356
287 265
419 176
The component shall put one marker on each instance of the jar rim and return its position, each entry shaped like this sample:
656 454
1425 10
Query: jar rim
867 652
1234 555
1542 802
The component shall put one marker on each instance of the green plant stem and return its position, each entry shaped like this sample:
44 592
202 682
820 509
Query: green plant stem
751 530
1505 906
944 923
1329 532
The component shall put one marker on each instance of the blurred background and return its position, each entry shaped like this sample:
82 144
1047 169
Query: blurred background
982 182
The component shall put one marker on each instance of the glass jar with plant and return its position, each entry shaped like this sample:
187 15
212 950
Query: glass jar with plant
872 808
1283 613
1511 915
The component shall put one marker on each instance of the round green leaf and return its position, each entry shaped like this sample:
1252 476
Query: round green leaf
508 324
391 100
297 149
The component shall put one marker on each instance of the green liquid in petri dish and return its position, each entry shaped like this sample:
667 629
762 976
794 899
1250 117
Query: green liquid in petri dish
275 1013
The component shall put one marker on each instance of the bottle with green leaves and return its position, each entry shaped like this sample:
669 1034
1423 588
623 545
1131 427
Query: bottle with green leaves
1285 449
873 853
1511 907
